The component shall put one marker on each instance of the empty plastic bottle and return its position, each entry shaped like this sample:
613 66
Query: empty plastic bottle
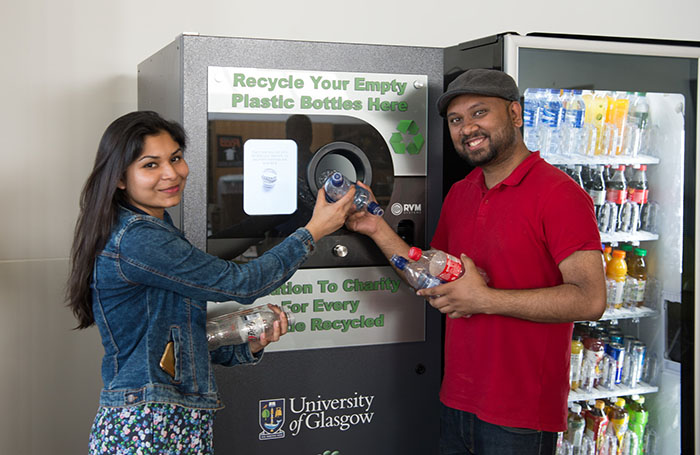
336 186
243 326
440 264
416 274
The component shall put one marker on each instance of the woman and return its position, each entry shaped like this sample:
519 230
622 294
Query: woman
136 277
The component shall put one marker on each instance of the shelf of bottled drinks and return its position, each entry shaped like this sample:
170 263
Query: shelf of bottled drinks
604 140
612 314
600 393
594 160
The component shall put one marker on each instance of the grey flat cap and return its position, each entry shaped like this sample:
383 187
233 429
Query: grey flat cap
480 82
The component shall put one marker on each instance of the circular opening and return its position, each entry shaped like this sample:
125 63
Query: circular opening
344 157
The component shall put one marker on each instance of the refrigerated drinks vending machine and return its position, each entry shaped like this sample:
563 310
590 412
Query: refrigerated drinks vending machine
655 83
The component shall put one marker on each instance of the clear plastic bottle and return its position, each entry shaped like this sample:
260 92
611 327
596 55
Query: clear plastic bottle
574 114
531 118
416 274
440 264
576 424
243 326
336 186
550 122
637 120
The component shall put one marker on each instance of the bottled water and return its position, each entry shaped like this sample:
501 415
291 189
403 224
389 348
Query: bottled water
531 117
336 186
637 121
550 120
574 114
416 275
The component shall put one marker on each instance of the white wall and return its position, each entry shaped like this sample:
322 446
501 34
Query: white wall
69 68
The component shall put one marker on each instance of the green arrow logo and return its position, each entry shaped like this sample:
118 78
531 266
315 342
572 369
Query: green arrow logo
407 139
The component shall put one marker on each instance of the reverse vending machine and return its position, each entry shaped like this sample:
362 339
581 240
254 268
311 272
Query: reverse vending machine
266 120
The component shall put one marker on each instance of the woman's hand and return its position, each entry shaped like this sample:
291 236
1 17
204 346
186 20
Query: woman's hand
328 217
279 328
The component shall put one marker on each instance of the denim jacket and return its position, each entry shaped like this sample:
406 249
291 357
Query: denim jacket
150 286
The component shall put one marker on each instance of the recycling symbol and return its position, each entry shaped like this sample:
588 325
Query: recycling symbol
407 139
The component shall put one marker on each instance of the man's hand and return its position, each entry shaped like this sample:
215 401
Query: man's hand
362 221
461 297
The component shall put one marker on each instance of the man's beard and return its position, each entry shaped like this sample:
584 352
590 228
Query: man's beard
499 142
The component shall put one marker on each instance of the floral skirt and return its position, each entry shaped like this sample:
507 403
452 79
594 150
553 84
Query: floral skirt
152 428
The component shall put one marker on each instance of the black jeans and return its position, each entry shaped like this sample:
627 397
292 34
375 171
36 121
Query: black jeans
462 433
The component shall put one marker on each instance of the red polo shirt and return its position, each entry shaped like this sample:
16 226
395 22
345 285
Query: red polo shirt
509 371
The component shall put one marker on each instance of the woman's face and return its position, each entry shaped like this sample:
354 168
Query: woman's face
156 179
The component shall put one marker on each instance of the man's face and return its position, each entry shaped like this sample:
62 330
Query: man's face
483 128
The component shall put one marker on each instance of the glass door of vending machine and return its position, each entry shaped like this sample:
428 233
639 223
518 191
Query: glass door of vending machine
620 117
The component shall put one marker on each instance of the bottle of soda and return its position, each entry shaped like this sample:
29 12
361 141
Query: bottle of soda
638 418
441 264
616 188
595 187
638 189
336 186
416 275
243 326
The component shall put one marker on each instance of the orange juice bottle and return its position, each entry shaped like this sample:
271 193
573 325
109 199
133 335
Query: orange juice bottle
607 256
616 274
618 118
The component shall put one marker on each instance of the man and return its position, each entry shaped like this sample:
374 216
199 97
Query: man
533 230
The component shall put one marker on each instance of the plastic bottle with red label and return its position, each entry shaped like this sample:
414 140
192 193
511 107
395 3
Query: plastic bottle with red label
441 264
616 189
596 424
638 189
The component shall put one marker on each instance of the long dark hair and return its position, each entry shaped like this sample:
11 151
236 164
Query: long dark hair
121 143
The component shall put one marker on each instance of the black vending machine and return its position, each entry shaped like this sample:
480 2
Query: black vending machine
266 119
